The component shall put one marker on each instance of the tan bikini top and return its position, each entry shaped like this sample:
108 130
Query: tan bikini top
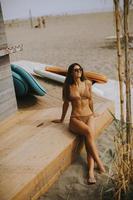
75 95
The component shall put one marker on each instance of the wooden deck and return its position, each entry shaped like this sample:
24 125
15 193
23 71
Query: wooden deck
34 151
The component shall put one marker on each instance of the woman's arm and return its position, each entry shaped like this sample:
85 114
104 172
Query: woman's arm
64 111
91 100
65 105
91 104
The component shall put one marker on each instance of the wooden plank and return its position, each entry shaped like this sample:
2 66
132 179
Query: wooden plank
6 84
6 73
3 42
34 151
7 108
31 156
8 104
48 176
5 95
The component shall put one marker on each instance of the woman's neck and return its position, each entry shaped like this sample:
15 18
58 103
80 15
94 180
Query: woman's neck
77 81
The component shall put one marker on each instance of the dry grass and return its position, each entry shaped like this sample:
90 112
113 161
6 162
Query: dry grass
123 163
121 174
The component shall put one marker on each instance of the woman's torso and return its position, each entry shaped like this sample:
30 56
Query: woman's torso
80 97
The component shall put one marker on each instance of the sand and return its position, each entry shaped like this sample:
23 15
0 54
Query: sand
64 40
68 39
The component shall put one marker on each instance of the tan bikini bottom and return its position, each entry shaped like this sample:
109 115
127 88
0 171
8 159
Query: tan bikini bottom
84 119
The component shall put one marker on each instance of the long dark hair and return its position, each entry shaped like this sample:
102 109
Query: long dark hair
70 80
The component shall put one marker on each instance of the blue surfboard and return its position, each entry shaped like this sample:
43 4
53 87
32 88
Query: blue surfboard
34 86
21 87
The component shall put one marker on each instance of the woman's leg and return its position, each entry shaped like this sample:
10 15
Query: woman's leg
79 127
90 160
91 124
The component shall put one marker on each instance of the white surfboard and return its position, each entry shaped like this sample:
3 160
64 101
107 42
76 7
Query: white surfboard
50 75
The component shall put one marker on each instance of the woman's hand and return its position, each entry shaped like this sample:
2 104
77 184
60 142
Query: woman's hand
57 121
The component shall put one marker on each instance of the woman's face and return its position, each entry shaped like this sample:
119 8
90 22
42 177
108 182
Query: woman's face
77 71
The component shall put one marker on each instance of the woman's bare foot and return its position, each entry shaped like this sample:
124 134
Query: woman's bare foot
91 178
102 169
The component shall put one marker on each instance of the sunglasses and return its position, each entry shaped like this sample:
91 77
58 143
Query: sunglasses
77 70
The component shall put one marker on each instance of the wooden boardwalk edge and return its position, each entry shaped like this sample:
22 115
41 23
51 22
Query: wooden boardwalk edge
47 177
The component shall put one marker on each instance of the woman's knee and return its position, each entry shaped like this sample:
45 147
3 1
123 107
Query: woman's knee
89 134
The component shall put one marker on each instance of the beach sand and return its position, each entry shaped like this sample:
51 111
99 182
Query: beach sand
64 40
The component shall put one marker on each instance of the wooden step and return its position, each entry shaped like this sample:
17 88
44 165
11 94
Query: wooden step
34 151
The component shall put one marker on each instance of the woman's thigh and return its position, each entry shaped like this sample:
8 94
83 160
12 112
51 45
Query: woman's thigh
79 127
91 124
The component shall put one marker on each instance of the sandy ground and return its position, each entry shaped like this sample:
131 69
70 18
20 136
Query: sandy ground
64 40
68 39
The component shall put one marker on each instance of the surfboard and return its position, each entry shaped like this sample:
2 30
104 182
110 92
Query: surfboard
34 86
93 76
49 75
20 85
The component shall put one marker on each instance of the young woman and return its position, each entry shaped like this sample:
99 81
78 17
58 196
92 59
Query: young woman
77 90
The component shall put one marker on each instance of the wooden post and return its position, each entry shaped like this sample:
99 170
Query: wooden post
31 21
8 103
119 54
127 74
